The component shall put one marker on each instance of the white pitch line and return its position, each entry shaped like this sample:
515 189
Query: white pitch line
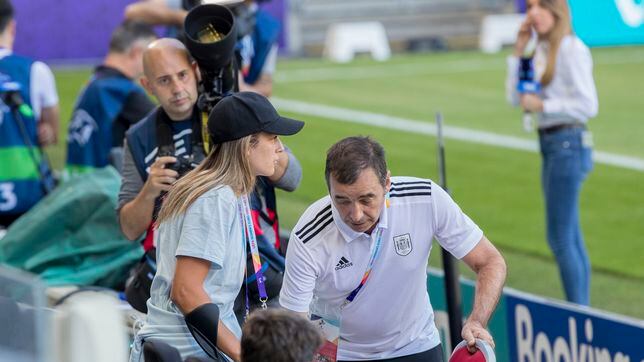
387 70
457 133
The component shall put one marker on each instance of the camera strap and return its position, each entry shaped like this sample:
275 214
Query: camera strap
165 135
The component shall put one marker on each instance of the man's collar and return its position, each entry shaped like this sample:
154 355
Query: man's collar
108 71
349 234
4 52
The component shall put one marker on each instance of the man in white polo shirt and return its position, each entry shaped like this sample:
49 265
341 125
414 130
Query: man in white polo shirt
360 255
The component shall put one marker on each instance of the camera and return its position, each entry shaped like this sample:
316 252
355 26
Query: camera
211 35
184 163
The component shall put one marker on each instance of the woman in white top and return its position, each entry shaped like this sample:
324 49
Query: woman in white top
201 248
567 99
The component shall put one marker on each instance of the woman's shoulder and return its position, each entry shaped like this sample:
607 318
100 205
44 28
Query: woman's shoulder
572 44
222 192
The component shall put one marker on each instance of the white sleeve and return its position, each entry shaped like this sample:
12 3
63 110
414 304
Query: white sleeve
454 230
42 88
299 278
576 65
511 80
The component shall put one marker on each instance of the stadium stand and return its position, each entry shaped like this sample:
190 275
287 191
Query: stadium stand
409 23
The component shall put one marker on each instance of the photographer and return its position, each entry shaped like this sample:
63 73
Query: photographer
171 77
26 177
110 103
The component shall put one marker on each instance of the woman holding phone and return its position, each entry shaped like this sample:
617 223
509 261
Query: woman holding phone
567 99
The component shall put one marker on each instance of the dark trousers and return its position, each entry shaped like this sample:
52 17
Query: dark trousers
433 355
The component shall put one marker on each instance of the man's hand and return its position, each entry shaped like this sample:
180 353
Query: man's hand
531 103
473 330
160 178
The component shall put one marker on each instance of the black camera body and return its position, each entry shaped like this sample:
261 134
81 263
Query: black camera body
184 163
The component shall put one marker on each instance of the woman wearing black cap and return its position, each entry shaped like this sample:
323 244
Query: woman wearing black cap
202 234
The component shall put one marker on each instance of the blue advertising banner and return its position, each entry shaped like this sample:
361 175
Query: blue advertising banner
528 328
608 22
541 330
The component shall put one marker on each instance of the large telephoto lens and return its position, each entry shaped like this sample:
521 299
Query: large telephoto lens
210 35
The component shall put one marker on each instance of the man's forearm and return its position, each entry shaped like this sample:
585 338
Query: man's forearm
489 285
136 216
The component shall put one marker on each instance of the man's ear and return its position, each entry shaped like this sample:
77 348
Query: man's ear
195 68
388 181
146 84
11 28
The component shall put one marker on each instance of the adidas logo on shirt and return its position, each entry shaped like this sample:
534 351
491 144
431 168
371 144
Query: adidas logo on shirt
343 263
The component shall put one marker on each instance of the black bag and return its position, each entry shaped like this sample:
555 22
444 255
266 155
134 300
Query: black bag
137 288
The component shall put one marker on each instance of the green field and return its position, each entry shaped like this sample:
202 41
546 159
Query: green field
498 187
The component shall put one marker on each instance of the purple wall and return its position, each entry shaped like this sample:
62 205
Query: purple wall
66 29
76 31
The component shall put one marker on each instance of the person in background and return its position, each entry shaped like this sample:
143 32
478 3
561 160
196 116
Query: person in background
25 176
278 335
110 103
568 99
170 13
258 33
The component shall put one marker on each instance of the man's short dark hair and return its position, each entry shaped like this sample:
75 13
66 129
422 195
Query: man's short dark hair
128 33
6 14
278 335
346 159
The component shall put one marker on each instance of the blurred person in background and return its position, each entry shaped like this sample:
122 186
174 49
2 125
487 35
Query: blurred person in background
110 102
170 13
568 98
23 172
257 30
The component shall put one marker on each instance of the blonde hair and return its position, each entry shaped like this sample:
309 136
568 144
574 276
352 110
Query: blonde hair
562 27
227 164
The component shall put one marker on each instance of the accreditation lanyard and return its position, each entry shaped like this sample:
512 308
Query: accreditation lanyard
367 273
374 255
248 235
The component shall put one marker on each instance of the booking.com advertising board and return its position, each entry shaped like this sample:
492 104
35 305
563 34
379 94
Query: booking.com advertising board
608 22
527 328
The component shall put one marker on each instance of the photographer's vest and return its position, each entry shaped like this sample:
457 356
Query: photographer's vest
265 34
90 137
142 140
20 184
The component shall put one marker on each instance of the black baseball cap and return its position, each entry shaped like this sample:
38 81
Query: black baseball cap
245 113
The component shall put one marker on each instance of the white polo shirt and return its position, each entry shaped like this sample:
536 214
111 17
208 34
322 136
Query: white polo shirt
392 315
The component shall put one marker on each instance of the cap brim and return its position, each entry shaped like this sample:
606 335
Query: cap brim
284 126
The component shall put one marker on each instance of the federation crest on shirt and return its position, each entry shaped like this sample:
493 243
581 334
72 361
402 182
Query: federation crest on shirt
402 244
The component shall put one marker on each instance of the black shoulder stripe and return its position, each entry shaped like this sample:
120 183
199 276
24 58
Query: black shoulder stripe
395 189
428 193
317 231
319 218
316 227
412 183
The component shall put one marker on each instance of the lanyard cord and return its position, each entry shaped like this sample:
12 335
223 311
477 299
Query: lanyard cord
248 234
374 255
